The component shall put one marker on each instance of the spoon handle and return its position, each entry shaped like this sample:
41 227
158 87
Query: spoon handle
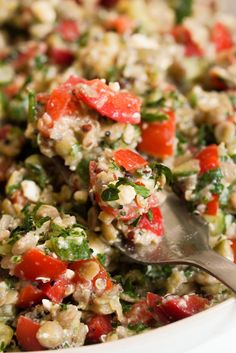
216 265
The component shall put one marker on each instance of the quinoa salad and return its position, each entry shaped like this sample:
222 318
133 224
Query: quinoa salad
104 106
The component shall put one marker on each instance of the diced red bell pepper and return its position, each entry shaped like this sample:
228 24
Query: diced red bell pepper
29 295
208 158
56 292
121 24
183 36
35 265
26 330
152 221
57 103
119 106
158 137
98 325
129 160
154 302
212 206
77 266
61 56
69 30
139 313
178 308
221 37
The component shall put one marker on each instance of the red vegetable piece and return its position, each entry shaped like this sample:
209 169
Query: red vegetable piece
152 221
57 103
154 302
179 308
26 330
183 36
139 313
69 30
208 158
121 24
29 295
212 206
80 266
99 325
56 292
129 160
221 37
61 56
158 137
35 264
119 106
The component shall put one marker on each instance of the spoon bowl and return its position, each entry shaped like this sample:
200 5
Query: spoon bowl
185 241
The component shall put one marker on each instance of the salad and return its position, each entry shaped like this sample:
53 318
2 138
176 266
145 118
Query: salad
105 105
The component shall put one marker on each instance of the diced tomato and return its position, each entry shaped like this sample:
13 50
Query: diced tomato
139 313
154 302
119 106
58 102
212 206
221 37
158 137
233 246
29 295
80 266
152 221
208 158
183 36
35 265
26 330
61 56
27 54
98 325
121 24
179 308
56 292
69 30
129 160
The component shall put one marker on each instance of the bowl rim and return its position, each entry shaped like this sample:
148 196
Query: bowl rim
135 340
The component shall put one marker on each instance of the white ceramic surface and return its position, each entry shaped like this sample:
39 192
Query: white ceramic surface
210 331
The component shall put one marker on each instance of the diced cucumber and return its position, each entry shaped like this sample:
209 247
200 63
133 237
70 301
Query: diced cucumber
187 168
216 223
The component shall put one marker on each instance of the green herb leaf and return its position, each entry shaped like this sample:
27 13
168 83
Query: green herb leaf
110 194
141 190
150 215
183 9
213 176
160 169
70 244
102 258
137 327
151 117
83 170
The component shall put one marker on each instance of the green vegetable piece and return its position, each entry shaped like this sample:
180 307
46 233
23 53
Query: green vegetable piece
71 244
83 170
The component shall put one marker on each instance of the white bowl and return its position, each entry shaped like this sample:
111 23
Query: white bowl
182 336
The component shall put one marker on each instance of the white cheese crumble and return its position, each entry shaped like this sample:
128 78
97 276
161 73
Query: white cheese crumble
30 190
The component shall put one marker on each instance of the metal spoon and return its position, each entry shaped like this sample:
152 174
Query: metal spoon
185 242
